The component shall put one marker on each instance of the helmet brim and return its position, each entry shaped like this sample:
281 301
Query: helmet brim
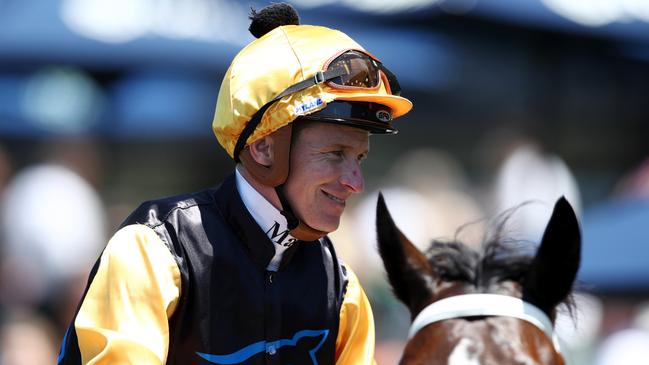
399 105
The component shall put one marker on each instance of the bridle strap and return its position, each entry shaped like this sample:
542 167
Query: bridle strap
480 305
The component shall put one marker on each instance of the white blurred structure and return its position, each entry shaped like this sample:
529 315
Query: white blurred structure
579 331
600 12
628 346
528 176
54 227
122 21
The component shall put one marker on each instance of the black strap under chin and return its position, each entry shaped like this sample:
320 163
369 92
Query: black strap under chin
319 78
291 220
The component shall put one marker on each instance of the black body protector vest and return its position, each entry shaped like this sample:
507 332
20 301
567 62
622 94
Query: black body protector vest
231 309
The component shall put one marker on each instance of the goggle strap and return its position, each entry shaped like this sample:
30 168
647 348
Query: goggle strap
319 78
395 88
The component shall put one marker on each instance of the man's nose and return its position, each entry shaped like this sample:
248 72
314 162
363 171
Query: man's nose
352 177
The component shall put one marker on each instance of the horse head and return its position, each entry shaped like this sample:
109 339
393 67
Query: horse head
495 305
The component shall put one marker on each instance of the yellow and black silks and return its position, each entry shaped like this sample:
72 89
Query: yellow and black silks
184 281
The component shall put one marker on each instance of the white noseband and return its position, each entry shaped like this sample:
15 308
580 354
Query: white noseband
471 305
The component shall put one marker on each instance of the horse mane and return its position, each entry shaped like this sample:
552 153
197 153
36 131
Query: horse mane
495 262
497 259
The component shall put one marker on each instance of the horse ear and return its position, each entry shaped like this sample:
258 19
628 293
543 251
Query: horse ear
555 265
411 276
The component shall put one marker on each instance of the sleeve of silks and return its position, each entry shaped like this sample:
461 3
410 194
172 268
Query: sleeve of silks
355 342
123 318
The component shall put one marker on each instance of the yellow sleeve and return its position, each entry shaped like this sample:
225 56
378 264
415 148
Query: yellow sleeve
355 342
123 318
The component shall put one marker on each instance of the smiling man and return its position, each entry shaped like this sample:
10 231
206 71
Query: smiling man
244 273
325 172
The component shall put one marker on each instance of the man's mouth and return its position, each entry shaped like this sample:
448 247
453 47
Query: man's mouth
337 200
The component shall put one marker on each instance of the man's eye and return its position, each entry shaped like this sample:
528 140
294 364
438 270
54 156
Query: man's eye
336 153
361 158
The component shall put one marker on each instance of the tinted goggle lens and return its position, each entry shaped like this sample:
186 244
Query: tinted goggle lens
361 70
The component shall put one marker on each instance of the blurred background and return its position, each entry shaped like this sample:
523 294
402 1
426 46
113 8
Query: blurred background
106 103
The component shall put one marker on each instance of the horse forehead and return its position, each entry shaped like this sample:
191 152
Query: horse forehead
493 340
466 352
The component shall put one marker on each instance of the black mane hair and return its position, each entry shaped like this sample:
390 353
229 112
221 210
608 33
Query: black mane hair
497 259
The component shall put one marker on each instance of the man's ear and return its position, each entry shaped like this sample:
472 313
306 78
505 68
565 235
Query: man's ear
267 158
262 151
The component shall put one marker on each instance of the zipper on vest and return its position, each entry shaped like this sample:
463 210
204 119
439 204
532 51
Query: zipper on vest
272 319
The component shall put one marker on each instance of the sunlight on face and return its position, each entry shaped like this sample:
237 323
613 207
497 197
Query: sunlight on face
325 172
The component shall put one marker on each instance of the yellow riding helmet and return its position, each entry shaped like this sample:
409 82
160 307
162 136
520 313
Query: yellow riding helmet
262 74
299 71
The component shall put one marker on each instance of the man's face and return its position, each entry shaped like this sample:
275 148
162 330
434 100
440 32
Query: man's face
325 171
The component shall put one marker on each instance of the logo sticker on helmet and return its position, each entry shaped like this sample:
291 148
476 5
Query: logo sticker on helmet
307 106
384 116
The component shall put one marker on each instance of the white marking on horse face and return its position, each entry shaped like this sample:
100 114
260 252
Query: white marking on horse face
465 353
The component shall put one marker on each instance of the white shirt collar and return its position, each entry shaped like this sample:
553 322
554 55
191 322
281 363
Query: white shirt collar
269 218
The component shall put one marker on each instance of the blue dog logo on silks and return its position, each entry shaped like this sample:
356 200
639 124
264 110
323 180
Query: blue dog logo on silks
268 346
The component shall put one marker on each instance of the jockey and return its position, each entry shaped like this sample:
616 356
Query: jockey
244 273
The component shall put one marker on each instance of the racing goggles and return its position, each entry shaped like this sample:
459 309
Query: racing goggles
359 70
351 70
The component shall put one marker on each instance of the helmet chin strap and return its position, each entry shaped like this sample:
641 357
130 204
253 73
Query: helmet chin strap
276 176
296 227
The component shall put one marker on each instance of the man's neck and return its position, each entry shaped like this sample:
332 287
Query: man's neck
268 192
267 216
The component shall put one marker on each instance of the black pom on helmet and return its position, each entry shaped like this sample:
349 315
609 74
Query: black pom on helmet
271 17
